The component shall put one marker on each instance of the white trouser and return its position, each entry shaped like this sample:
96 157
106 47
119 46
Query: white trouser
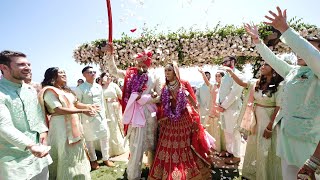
233 142
137 148
44 175
104 144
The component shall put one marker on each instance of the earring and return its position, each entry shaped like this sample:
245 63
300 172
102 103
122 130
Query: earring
274 74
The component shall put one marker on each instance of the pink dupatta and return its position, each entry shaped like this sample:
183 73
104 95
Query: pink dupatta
73 127
248 119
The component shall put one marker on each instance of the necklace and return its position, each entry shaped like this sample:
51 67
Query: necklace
173 86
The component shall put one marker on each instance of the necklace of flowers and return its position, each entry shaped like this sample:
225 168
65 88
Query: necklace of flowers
180 106
135 84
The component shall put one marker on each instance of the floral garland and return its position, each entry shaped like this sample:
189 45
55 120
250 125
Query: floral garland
137 83
180 106
189 47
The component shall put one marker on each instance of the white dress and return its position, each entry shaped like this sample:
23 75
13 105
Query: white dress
112 94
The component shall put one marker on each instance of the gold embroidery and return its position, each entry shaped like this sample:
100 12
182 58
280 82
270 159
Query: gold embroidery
167 157
176 174
164 143
184 156
161 155
175 144
175 157
182 144
158 172
169 144
200 163
165 175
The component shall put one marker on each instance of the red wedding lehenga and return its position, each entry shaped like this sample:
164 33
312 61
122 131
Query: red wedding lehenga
182 150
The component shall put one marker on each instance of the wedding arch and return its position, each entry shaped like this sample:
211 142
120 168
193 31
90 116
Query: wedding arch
191 47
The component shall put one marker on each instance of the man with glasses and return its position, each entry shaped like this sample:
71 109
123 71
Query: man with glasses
230 105
94 128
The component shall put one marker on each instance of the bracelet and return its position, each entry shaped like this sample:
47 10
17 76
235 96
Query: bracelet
313 166
315 160
268 130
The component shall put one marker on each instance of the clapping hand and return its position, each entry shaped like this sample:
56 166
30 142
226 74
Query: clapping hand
39 151
278 21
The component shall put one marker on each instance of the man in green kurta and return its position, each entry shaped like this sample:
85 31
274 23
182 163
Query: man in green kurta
94 128
22 127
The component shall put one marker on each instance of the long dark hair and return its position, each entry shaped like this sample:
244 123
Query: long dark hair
272 87
50 77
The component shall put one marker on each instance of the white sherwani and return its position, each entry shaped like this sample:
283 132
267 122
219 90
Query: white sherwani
204 99
230 99
141 139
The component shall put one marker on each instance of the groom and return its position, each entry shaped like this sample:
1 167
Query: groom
138 102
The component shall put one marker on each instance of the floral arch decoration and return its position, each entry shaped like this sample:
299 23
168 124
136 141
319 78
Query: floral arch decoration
193 47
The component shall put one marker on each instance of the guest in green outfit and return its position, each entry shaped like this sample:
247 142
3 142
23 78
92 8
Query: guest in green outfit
65 134
23 133
299 113
260 107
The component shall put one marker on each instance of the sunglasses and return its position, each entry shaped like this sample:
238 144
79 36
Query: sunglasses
91 72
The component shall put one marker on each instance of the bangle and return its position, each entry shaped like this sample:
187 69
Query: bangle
268 130
315 160
313 166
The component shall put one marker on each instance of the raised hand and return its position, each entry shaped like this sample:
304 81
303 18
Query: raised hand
109 49
252 30
278 21
200 70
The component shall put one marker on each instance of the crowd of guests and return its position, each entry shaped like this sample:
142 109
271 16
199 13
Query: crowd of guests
52 132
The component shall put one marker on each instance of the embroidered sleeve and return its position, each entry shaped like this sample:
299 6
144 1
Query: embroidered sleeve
109 60
9 132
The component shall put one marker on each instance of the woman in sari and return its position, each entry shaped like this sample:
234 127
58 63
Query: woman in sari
260 107
212 122
69 157
182 149
112 94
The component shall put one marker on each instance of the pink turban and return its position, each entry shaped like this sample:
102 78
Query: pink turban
144 57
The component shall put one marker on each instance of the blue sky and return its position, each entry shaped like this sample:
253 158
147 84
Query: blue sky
49 31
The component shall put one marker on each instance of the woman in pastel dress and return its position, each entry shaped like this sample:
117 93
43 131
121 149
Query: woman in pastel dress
70 160
259 110
212 122
112 94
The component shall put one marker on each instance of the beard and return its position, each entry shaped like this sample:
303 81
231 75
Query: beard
18 76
